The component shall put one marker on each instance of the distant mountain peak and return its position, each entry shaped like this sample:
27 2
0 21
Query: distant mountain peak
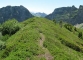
18 12
70 15
39 14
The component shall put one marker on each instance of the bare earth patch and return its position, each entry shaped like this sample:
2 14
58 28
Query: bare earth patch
47 54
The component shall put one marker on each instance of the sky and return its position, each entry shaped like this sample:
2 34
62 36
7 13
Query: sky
46 6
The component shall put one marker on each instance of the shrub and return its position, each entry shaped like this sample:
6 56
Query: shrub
68 26
61 23
54 21
71 45
5 37
0 27
2 45
10 27
75 29
6 52
80 35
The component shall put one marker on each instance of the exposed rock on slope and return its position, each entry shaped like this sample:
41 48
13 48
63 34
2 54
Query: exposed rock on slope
71 15
18 12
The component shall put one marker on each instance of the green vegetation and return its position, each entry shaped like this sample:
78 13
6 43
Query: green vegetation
54 21
61 24
80 35
69 27
60 43
10 27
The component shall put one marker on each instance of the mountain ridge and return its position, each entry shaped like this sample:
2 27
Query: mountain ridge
38 14
40 38
67 14
20 13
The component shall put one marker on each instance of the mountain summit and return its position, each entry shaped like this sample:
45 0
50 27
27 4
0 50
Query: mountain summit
18 12
70 15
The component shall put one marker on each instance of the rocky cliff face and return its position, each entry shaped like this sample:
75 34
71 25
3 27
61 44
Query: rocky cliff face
71 15
79 17
18 12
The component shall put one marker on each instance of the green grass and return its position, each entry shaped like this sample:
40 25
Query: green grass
61 43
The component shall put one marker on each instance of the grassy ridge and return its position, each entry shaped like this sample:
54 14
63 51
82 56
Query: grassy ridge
24 45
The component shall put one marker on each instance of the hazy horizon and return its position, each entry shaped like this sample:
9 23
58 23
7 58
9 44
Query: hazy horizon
46 6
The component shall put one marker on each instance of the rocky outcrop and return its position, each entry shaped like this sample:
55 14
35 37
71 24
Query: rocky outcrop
70 15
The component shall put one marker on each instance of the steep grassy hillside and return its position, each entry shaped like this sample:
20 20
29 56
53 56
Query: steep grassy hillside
42 39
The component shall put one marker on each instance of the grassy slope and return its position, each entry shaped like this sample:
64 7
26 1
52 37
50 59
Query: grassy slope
24 45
